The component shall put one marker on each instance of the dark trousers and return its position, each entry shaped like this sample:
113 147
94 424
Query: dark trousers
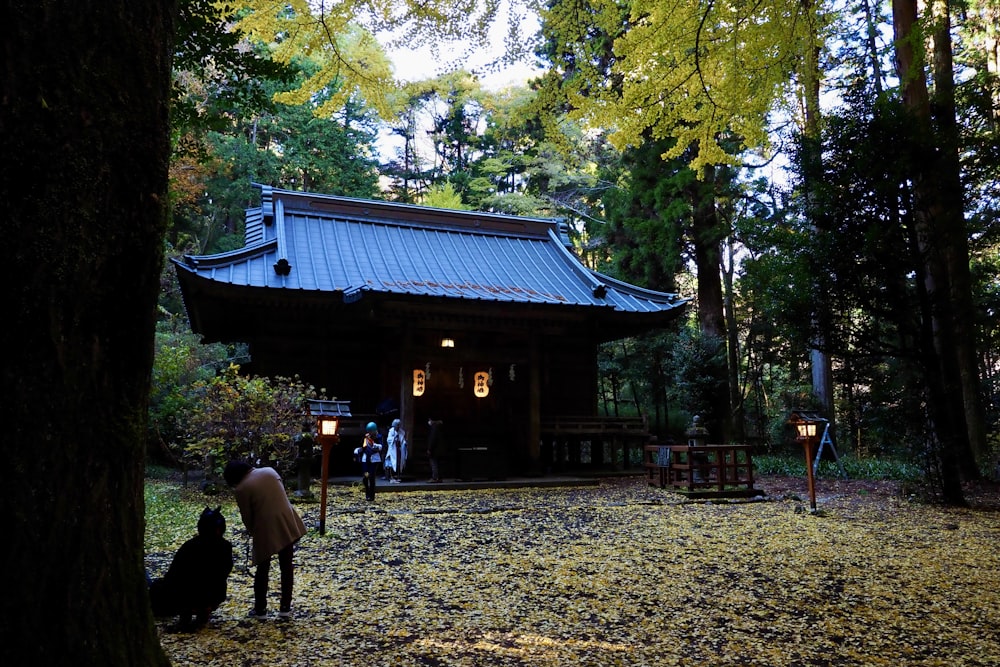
260 578
369 481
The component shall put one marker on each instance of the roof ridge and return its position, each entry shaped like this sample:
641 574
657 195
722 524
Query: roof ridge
411 215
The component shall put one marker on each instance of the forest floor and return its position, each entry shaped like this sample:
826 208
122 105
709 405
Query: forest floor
619 573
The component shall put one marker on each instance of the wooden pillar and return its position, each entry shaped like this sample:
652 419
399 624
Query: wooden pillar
534 405
406 365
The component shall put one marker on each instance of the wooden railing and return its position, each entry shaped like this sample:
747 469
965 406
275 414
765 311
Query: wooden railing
594 425
581 442
703 471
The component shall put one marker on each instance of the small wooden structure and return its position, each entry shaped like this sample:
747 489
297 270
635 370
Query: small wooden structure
327 415
705 471
701 470
803 416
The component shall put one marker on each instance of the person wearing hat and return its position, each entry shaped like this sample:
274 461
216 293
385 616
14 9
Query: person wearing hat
274 527
367 453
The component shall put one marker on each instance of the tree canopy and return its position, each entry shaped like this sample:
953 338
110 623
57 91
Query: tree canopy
694 72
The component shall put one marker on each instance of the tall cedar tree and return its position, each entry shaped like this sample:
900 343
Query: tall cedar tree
665 212
932 215
85 145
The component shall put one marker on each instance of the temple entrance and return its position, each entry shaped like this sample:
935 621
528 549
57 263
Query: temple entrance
486 436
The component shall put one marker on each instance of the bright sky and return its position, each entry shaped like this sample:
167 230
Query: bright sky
413 65
418 64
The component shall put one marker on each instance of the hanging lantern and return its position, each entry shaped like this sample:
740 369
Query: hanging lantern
481 385
419 382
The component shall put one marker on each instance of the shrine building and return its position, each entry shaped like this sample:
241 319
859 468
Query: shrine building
486 322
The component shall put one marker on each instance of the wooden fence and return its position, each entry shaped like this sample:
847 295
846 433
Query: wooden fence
703 471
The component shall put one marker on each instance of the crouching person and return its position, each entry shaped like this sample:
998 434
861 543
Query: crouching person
195 583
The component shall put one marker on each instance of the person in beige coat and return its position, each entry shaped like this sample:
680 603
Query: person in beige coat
273 524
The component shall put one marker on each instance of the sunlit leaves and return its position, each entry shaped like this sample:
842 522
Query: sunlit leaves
342 36
350 58
697 72
621 574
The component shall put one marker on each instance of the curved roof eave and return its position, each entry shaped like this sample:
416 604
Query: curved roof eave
325 244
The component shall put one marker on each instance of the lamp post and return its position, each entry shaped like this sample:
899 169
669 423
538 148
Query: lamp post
806 430
328 436
327 414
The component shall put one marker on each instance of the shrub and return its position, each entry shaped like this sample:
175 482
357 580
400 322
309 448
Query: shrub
180 362
251 418
856 468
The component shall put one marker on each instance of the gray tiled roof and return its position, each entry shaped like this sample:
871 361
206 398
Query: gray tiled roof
336 244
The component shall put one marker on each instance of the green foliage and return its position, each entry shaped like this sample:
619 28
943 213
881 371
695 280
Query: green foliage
341 39
648 216
203 412
216 72
251 418
864 275
288 146
444 196
349 57
633 380
693 72
180 362
870 468
695 367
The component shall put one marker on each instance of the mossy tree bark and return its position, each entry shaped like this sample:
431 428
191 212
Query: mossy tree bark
84 136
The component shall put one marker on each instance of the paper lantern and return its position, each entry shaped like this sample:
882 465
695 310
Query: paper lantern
481 385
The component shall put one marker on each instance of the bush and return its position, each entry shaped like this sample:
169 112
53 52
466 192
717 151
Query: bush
180 362
250 418
856 468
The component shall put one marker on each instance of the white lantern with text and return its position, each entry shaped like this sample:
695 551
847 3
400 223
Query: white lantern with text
481 385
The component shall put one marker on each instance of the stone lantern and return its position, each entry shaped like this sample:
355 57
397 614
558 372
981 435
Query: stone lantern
697 436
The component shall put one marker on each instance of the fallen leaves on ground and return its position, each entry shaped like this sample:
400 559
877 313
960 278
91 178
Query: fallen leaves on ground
615 574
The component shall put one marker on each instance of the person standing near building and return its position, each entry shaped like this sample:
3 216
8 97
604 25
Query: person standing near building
274 527
435 448
395 455
368 454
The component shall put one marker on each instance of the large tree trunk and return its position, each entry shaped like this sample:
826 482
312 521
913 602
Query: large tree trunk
85 146
940 363
707 235
956 258
819 358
